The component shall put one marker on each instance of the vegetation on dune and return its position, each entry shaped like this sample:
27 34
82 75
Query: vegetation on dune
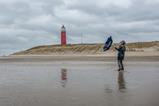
84 48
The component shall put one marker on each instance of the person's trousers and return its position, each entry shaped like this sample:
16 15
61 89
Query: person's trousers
120 64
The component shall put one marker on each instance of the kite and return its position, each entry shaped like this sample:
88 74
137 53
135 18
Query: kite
108 44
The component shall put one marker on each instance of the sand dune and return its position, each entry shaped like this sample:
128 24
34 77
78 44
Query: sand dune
141 48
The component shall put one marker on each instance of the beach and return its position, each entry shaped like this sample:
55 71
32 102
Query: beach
79 53
78 81
106 56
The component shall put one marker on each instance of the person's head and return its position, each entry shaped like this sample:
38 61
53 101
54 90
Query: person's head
122 42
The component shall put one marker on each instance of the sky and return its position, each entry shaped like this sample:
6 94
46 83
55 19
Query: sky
29 23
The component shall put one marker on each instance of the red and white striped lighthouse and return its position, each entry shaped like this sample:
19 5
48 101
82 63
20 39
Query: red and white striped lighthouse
63 36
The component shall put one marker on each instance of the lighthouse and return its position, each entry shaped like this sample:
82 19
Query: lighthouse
63 36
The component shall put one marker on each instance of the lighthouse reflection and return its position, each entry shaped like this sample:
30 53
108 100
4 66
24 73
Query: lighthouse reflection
121 81
63 77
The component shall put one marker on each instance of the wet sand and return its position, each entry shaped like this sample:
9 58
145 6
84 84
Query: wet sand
78 82
45 58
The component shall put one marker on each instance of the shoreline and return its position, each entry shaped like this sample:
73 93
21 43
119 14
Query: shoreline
50 58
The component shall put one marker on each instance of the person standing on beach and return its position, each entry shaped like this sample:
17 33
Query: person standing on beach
121 54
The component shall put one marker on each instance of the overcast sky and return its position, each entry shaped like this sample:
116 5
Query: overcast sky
28 23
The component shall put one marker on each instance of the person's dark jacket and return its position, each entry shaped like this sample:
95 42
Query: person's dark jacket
121 52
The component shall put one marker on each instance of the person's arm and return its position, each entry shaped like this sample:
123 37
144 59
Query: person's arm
118 49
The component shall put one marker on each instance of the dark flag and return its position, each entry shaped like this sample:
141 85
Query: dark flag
108 44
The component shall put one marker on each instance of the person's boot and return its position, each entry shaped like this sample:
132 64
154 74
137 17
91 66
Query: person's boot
122 69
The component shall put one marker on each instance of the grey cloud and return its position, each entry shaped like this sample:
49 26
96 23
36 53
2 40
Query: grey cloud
28 23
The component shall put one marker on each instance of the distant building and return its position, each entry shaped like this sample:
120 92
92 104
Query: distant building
63 36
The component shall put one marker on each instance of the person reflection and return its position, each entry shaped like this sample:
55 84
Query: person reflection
63 77
121 80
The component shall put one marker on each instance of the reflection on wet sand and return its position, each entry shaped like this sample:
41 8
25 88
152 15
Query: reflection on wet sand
93 84
121 80
63 77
